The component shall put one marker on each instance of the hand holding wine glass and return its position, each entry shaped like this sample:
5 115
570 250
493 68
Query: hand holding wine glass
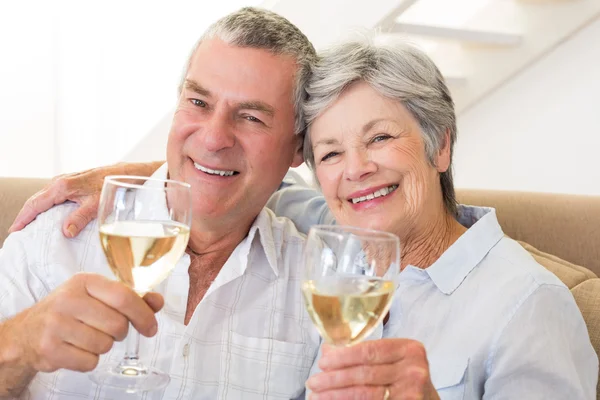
349 283
77 322
349 280
144 228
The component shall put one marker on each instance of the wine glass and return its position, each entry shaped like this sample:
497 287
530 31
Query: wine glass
144 226
349 280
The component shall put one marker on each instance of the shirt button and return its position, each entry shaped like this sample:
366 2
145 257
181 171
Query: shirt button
186 350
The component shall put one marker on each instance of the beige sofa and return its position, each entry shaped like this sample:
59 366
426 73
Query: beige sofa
552 227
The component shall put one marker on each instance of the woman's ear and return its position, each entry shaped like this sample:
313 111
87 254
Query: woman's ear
442 161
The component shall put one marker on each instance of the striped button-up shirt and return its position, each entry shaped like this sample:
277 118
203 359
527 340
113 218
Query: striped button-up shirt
250 336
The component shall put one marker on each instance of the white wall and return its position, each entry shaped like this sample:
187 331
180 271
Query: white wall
27 114
541 130
82 82
538 132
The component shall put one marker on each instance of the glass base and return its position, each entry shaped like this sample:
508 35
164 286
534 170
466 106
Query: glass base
130 376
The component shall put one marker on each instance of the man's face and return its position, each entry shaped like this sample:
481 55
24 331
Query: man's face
232 137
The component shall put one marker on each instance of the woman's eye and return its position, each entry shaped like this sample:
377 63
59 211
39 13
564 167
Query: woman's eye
380 138
198 103
329 155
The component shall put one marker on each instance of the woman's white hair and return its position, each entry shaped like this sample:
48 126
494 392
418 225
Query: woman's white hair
397 70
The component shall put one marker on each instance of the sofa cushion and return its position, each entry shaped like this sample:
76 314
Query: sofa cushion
13 193
570 274
587 296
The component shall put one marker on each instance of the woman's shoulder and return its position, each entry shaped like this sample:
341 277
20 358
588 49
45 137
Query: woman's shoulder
510 260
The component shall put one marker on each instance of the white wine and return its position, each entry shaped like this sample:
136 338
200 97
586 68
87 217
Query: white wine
142 253
347 309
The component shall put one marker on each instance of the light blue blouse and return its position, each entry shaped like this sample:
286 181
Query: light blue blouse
495 324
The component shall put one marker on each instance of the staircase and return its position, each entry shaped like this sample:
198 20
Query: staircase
477 44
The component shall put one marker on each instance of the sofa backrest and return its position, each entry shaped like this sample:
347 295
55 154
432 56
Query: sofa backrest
567 226
13 194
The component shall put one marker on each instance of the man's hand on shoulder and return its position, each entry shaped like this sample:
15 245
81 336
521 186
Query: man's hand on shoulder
82 188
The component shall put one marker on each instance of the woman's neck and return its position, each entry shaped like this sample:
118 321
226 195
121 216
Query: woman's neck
427 243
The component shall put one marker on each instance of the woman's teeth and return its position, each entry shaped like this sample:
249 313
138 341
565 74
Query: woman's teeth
213 171
374 195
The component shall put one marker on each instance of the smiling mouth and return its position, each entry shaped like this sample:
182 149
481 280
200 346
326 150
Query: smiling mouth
214 171
376 194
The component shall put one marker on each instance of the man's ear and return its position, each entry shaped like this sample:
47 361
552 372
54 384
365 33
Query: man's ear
442 161
298 154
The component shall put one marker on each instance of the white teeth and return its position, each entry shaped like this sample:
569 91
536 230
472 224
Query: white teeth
377 193
213 171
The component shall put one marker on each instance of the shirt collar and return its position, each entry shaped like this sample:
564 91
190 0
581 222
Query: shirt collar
162 172
484 231
261 225
157 210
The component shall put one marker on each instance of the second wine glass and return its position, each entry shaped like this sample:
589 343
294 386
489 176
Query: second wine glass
349 280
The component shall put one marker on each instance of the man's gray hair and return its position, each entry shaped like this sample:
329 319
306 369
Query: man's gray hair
262 29
398 71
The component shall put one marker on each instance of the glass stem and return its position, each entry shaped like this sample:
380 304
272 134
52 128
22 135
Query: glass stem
132 346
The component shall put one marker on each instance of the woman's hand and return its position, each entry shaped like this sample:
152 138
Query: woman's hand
82 188
377 369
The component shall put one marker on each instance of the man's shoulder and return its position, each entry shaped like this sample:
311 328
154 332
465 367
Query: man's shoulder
44 239
50 222
41 250
54 215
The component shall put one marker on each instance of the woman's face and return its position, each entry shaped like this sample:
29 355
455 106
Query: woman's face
370 161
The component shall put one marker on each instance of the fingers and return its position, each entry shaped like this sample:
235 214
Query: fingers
155 301
50 351
409 378
85 337
35 205
81 217
124 300
382 351
357 393
69 357
416 383
79 321
83 188
56 192
385 374
397 364
99 316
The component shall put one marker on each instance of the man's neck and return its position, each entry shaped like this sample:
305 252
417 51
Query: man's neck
222 236
209 248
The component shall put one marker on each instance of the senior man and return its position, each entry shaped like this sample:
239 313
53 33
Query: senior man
233 324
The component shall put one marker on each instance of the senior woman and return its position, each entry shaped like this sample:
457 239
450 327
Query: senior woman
474 317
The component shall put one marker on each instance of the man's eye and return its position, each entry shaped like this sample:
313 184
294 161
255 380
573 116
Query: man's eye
198 103
329 155
252 118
